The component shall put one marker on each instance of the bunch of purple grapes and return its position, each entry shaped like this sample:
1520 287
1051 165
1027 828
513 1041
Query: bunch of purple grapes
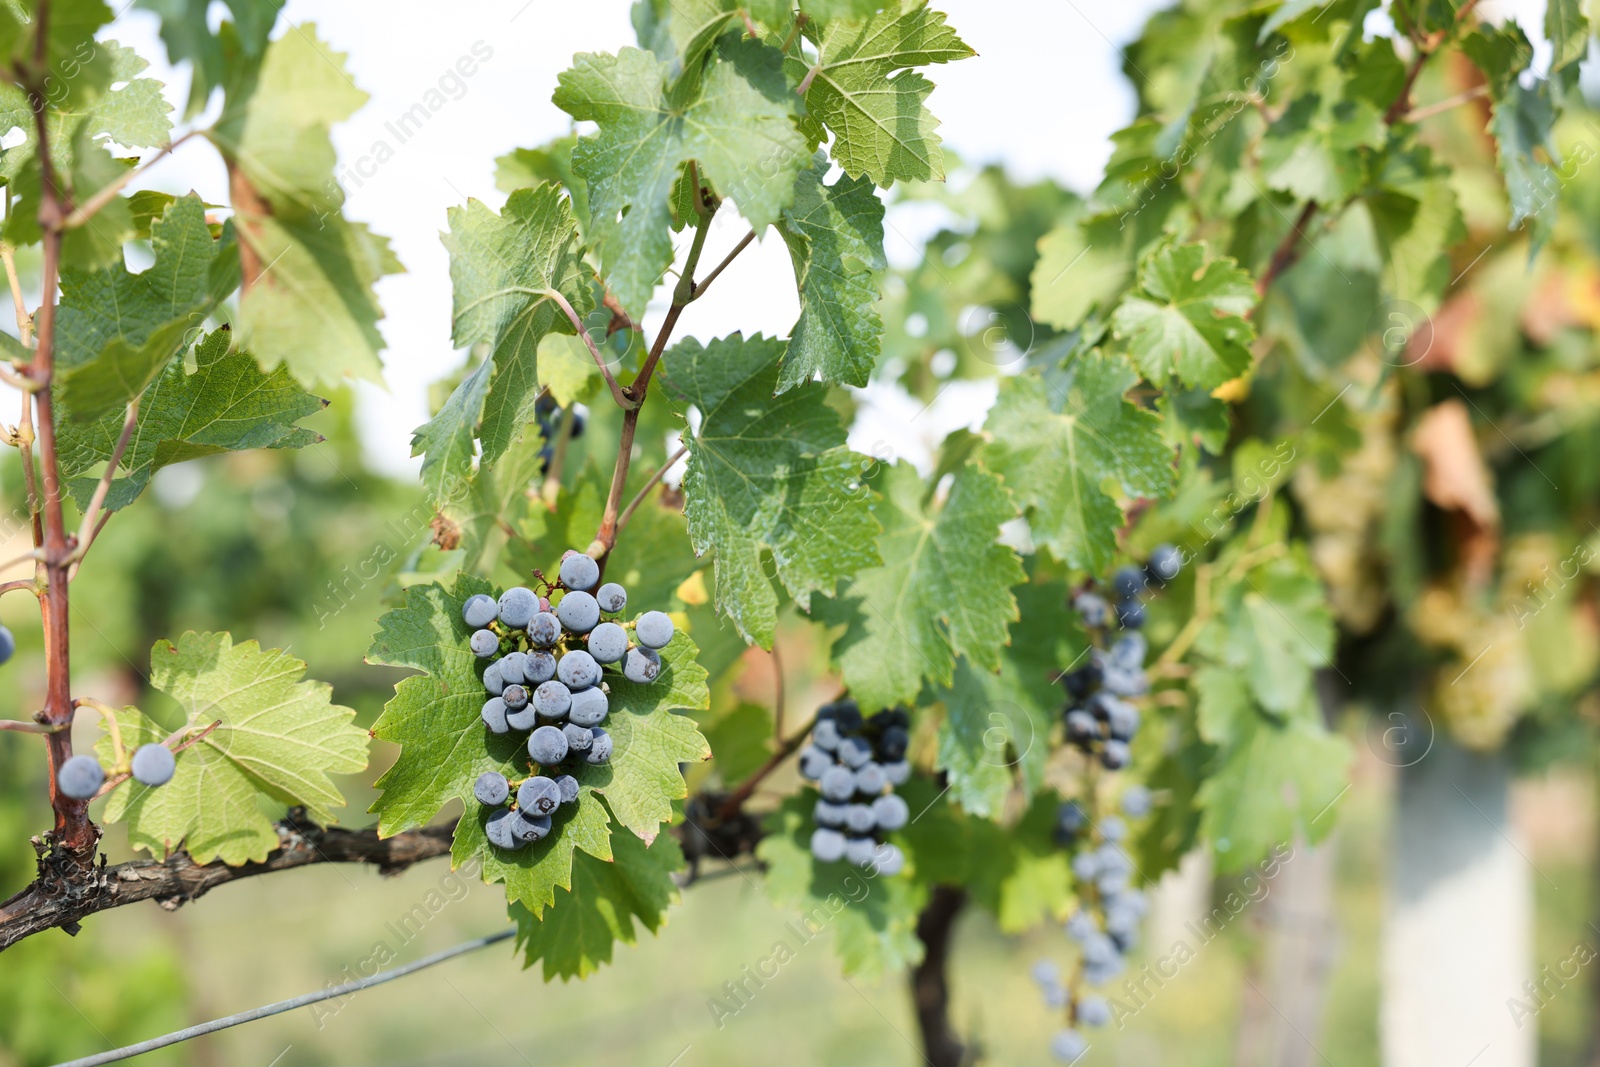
1101 723
856 764
545 674
1106 924
1098 718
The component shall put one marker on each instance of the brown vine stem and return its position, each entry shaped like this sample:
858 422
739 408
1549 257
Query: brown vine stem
638 498
74 833
605 539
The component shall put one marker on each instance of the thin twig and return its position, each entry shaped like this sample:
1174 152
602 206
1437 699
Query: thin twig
627 513
620 319
17 380
30 477
594 350
108 719
794 32
189 736
786 749
1288 250
33 556
8 256
88 209
30 584
329 993
33 727
194 739
744 242
90 524
1449 103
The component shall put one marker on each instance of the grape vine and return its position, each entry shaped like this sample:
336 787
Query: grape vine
1197 370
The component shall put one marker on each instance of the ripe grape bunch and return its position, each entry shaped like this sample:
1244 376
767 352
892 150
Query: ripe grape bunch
1099 720
545 674
856 765
1106 924
1101 723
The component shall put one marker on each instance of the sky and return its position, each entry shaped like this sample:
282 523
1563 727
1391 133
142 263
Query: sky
1042 97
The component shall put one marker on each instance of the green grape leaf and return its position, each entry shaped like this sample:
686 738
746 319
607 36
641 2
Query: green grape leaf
826 10
835 238
943 589
1019 873
74 68
767 474
503 268
575 937
1187 317
1225 707
308 299
1417 221
1568 32
136 115
1313 151
1275 786
186 31
862 88
1501 53
446 441
226 404
523 168
995 735
435 719
1081 266
741 741
113 349
1523 125
280 738
479 507
1055 454
873 919
651 740
1273 623
737 129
